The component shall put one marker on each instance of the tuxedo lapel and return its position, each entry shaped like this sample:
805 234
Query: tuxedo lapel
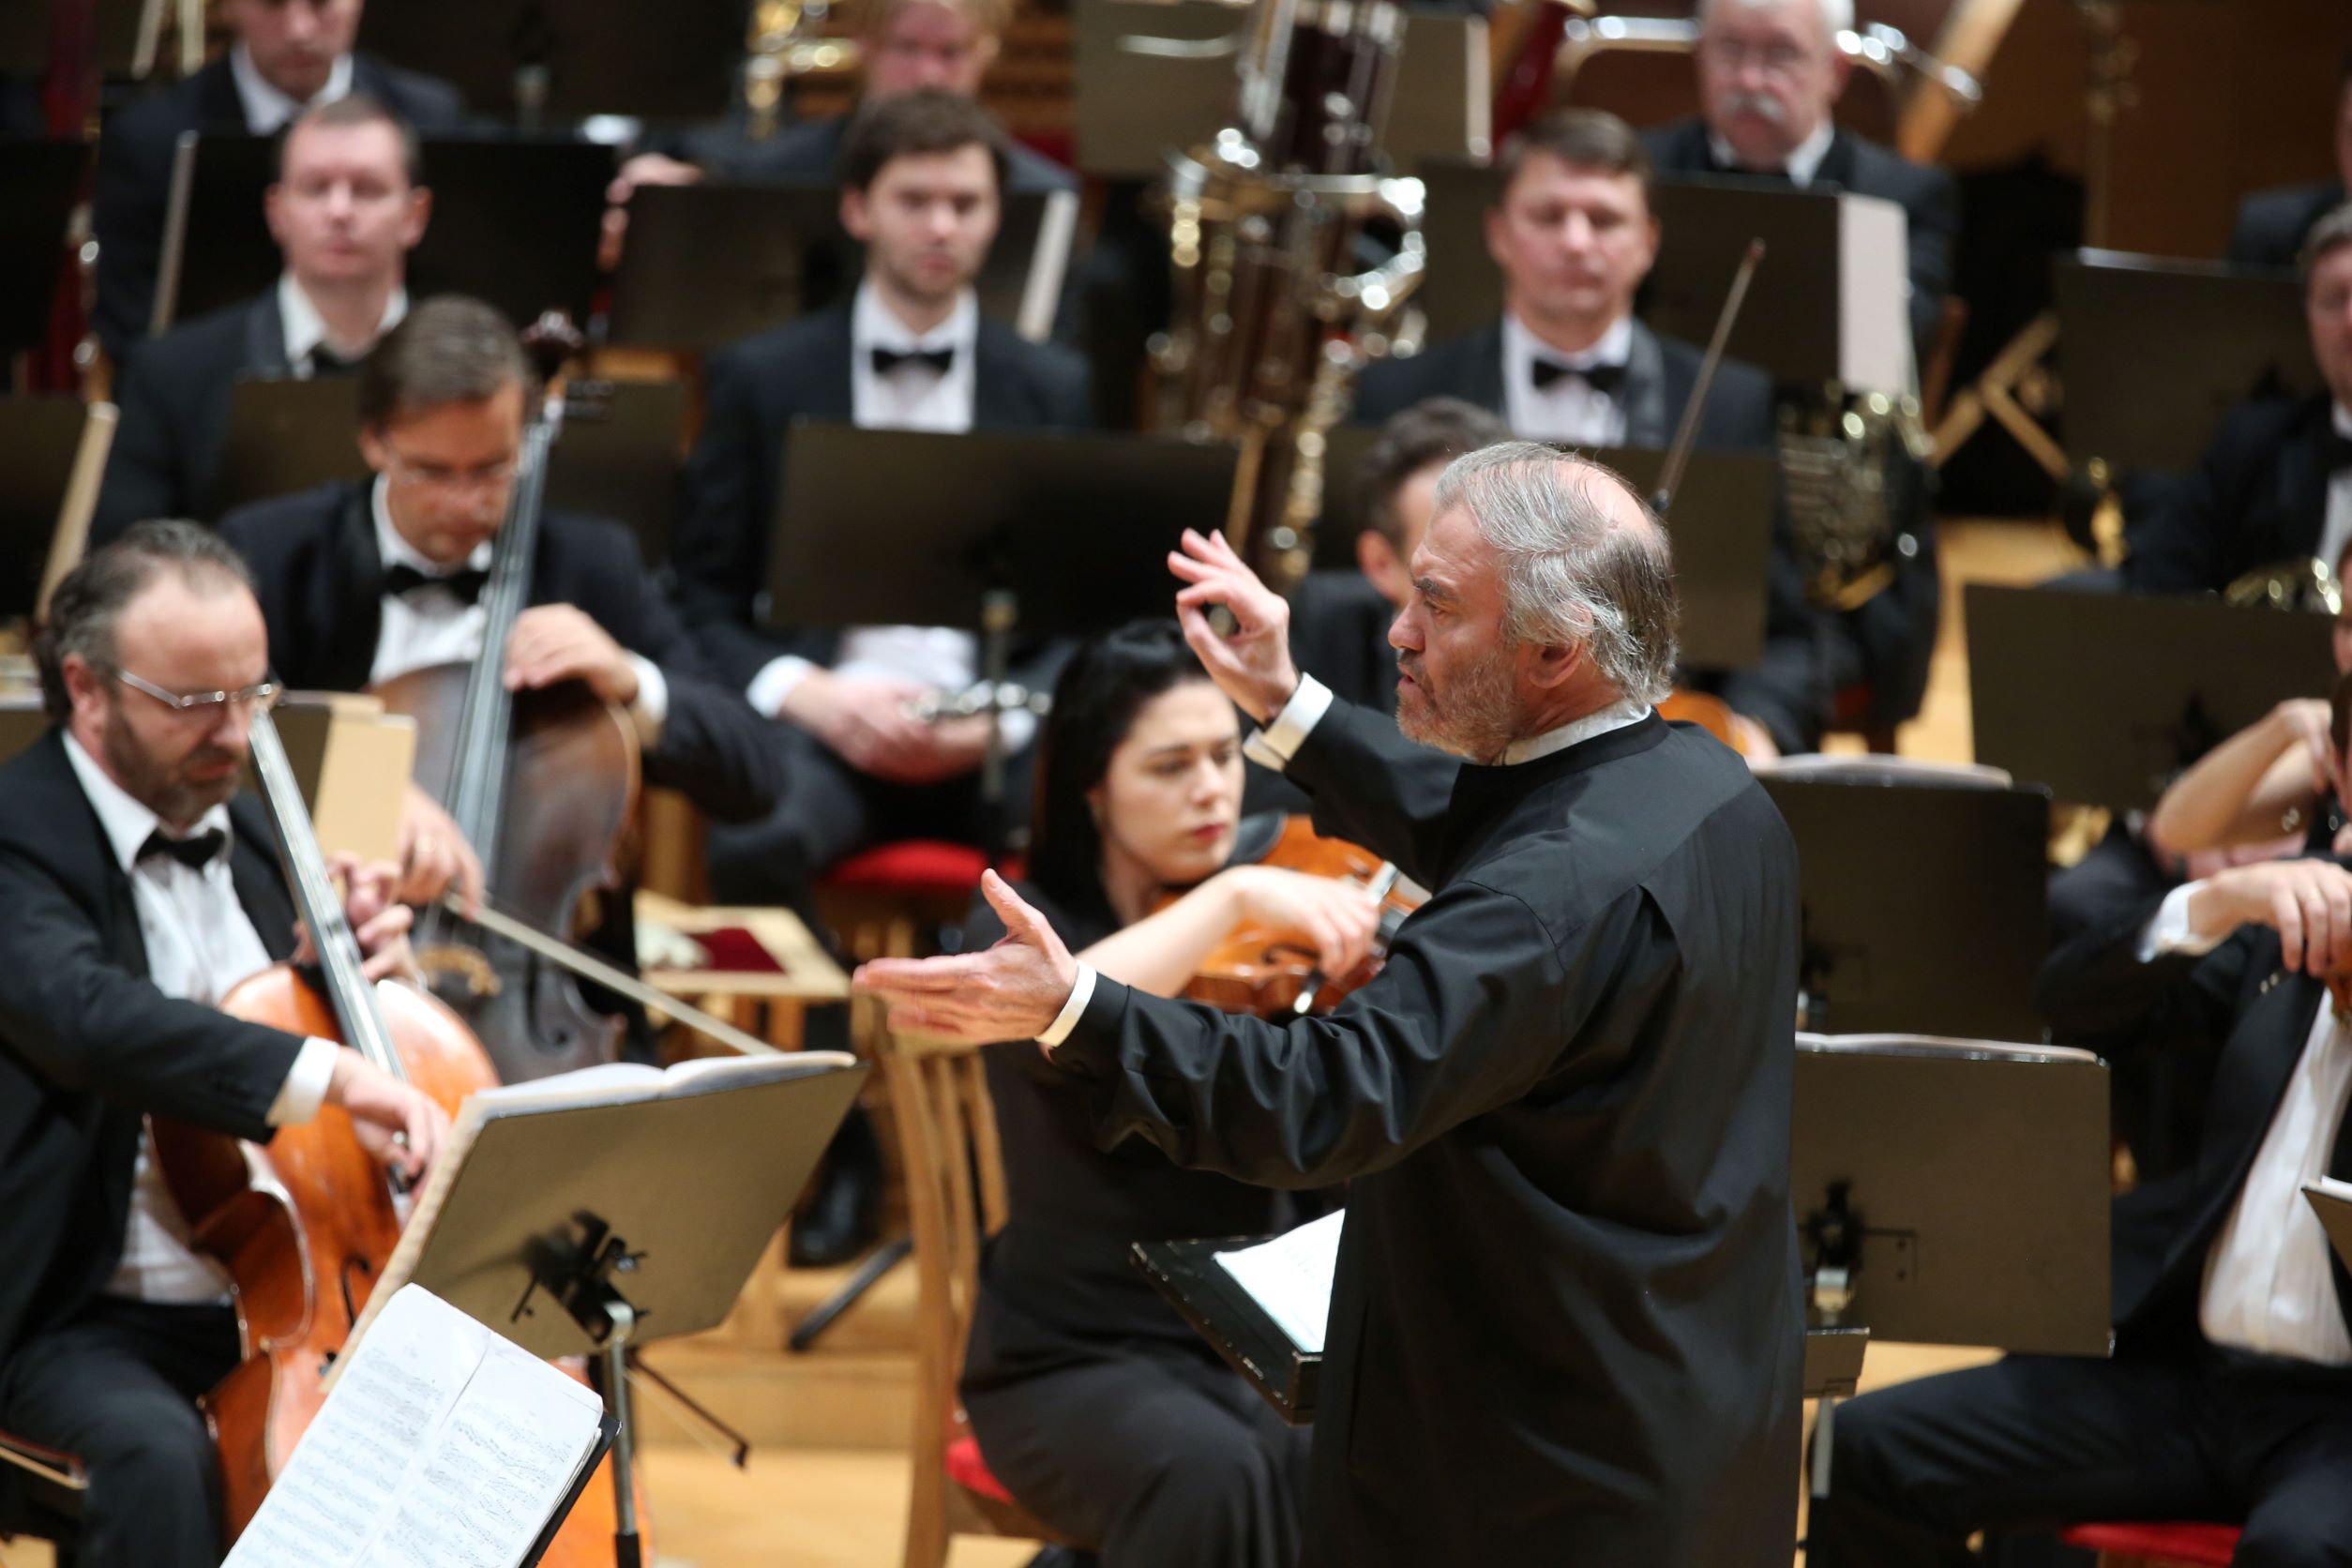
265 339
217 105
2256 1068
2302 496
1652 405
1482 370
355 592
1837 164
253 869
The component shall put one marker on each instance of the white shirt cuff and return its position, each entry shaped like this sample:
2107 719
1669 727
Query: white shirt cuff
651 708
2169 931
1273 745
1080 994
305 1089
775 681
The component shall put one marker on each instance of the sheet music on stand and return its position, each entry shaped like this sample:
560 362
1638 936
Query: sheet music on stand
2331 1200
442 1446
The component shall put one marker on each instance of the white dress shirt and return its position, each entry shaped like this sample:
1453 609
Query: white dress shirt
1273 744
1804 162
2269 1285
429 626
305 329
913 396
200 943
2336 531
267 108
1568 409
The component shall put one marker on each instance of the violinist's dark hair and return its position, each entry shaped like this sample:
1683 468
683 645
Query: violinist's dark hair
449 349
1433 430
909 124
89 599
1095 701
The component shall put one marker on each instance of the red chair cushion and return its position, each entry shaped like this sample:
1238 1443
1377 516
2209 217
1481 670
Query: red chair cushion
967 1469
2172 1543
919 867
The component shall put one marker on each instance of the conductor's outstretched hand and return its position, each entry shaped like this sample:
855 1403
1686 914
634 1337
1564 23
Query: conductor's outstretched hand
1013 991
1252 662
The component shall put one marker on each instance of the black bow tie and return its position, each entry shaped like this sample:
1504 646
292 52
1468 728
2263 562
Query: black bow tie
464 585
325 361
195 851
1604 379
939 360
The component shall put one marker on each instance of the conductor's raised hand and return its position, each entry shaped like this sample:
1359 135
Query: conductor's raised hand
1013 991
1252 662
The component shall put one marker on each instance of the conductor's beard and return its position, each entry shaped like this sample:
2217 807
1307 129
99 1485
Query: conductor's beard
1471 711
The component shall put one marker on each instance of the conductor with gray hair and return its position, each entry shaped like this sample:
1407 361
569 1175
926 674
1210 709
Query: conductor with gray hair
1567 1324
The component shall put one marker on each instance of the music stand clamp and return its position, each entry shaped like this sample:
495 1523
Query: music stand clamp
577 1274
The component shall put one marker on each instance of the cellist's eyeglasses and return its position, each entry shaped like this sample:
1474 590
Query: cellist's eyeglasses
208 704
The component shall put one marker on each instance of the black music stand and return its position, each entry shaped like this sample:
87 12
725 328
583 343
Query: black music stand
1822 309
2138 400
536 61
708 265
601 1228
39 437
617 457
1132 108
1925 900
1722 529
218 251
114 29
2104 698
42 176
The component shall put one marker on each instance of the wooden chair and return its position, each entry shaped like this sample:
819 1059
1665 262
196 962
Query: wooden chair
40 1495
955 1173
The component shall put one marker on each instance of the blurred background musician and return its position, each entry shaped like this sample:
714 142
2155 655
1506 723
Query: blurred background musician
349 206
286 56
2275 486
1100 1407
2274 225
362 583
1574 237
912 352
140 887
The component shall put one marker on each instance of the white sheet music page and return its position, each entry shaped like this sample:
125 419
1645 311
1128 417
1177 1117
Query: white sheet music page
1291 1278
443 1446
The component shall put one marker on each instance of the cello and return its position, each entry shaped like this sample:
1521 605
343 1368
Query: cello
543 784
304 1225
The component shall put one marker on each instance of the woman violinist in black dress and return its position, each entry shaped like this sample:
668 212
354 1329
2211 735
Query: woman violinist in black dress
1092 1401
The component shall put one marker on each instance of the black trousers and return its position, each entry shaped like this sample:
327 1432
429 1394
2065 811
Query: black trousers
1153 1460
2034 1443
118 1386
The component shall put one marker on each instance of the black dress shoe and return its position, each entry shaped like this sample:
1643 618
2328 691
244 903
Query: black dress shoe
841 1216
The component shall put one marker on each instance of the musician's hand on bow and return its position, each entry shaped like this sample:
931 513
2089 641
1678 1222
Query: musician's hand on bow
433 854
1251 664
557 643
1340 919
1013 991
378 920
399 1124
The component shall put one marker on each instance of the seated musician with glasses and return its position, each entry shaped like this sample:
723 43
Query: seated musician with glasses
2275 487
140 887
361 583
349 206
2229 1395
1093 1402
1574 237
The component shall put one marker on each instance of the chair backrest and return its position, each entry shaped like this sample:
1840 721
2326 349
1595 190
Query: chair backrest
955 1175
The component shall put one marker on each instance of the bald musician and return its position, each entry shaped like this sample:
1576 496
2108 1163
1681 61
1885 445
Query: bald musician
140 887
1566 1321
286 56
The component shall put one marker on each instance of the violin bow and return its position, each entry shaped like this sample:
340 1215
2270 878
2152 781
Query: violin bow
1686 435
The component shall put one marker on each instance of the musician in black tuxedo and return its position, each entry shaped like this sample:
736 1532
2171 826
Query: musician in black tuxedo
363 582
2276 484
2273 225
288 53
914 353
349 206
2229 1397
1566 1322
1769 76
140 888
1573 235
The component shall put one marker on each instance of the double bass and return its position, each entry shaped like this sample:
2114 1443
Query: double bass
542 784
304 1225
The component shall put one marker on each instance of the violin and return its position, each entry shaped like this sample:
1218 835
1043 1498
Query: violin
543 784
1273 973
305 1224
